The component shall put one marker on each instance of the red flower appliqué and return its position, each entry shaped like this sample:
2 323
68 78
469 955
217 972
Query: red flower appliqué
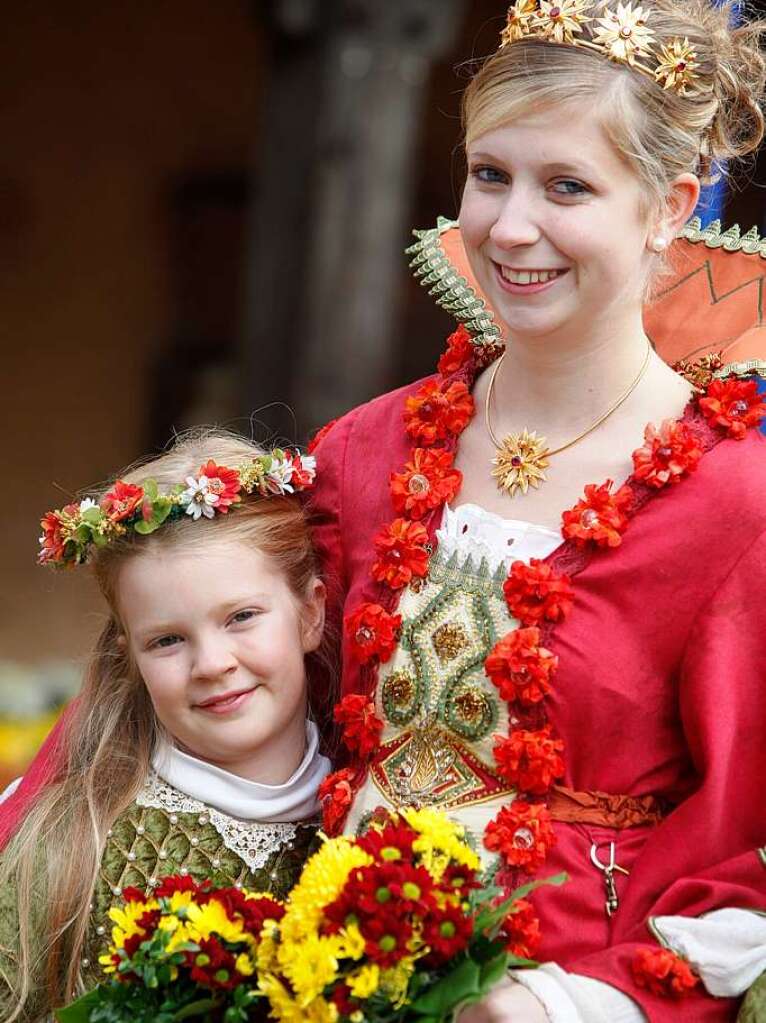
122 500
320 434
530 761
522 833
534 593
598 517
372 632
521 930
401 553
663 972
668 454
459 351
438 411
520 668
222 482
361 726
335 795
734 405
427 482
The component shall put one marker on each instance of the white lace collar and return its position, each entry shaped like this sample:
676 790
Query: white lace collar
470 529
295 800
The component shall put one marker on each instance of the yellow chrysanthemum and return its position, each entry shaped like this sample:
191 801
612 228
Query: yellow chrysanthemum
126 918
321 882
351 942
245 965
309 965
204 921
106 963
441 841
267 948
624 34
180 901
179 931
365 981
285 1008
394 982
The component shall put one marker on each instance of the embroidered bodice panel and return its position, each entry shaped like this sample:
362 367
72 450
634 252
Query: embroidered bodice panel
440 711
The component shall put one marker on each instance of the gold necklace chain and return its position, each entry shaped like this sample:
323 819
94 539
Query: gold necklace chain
521 458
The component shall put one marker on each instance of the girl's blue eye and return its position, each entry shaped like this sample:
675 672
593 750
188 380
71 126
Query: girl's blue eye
166 641
243 616
489 175
569 187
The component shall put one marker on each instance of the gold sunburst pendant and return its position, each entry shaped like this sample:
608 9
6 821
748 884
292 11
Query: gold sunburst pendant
520 462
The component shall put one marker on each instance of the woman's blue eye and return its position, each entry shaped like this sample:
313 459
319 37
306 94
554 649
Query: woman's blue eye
569 187
489 175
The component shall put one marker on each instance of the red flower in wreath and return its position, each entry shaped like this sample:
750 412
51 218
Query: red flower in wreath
521 930
372 632
438 411
734 405
663 972
361 726
222 482
459 351
521 668
335 795
668 454
530 761
320 434
598 517
522 833
52 541
534 593
427 482
401 553
122 500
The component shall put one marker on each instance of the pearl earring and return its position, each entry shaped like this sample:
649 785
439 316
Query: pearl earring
659 244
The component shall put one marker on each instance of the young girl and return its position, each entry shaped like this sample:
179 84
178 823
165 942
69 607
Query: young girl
190 749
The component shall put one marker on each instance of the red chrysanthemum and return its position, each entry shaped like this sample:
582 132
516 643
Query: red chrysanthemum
734 405
176 883
459 351
668 454
521 668
438 411
391 843
372 632
122 500
252 912
534 593
599 516
335 795
530 761
663 972
521 930
320 434
446 933
214 966
133 894
522 833
361 726
222 482
427 482
401 553
52 541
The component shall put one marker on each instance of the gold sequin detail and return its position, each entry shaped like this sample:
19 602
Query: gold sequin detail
471 705
449 640
400 689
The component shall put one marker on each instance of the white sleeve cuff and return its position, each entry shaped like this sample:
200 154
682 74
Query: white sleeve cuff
727 947
570 998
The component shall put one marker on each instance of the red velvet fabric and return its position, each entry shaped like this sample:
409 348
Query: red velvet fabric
661 690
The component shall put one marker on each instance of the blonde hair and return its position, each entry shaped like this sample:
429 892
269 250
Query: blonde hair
658 133
112 729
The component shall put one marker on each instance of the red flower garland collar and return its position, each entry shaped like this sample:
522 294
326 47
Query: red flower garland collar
537 595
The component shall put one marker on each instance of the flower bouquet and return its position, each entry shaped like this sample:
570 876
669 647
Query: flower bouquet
395 926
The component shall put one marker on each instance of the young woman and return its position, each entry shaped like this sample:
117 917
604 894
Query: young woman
190 749
586 691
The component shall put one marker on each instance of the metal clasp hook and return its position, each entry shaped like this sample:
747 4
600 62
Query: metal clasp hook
612 902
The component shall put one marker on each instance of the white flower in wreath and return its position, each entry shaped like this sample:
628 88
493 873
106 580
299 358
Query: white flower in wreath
279 476
198 499
87 503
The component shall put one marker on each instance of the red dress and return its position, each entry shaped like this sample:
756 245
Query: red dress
660 690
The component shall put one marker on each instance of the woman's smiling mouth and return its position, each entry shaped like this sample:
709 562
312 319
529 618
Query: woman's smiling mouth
519 281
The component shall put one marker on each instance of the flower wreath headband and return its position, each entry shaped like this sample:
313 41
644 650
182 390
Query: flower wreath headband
70 533
620 35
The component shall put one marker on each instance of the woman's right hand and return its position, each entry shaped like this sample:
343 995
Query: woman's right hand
508 1002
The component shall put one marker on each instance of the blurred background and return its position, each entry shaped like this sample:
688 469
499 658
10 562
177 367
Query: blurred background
204 206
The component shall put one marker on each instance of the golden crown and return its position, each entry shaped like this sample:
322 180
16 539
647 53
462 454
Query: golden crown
621 35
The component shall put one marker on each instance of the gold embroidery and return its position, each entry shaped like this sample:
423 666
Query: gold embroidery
449 640
471 705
